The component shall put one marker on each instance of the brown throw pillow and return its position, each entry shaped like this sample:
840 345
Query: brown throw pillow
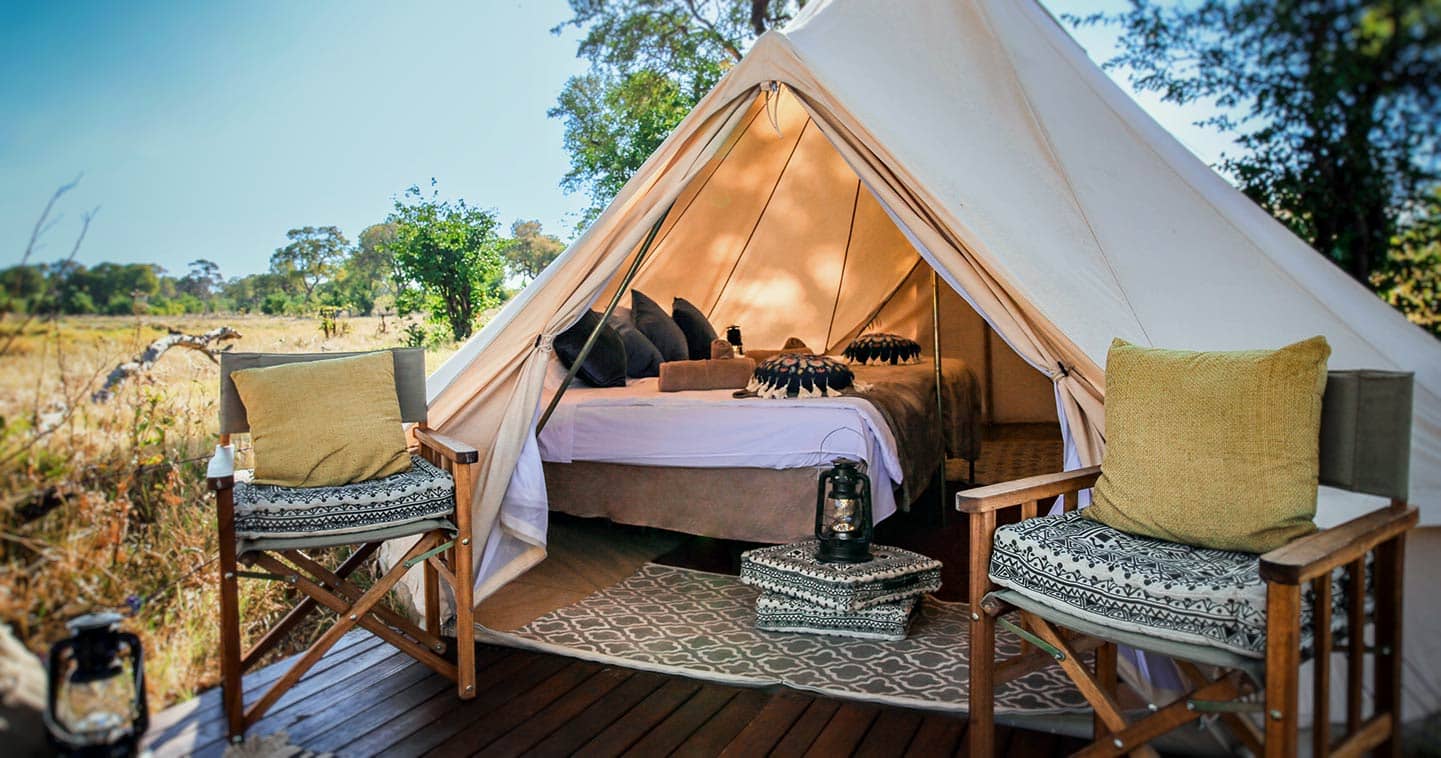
1216 449
324 422
726 374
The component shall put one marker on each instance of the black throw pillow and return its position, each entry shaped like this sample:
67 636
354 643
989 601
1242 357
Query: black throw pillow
698 331
658 327
604 366
641 356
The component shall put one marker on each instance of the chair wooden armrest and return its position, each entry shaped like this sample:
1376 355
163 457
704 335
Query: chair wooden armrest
1316 554
1020 491
449 448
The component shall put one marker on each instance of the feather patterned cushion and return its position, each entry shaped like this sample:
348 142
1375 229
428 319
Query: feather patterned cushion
800 375
883 348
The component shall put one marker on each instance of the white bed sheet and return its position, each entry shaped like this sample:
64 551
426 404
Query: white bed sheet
640 425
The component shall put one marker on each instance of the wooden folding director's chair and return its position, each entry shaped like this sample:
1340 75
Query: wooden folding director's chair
1306 600
445 469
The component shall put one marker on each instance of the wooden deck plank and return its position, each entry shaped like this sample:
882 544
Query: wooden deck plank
671 732
889 734
560 712
167 725
210 728
844 731
769 725
803 732
484 727
567 739
634 724
713 736
365 698
392 728
336 734
937 735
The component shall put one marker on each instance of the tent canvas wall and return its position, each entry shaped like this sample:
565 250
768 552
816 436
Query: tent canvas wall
1035 187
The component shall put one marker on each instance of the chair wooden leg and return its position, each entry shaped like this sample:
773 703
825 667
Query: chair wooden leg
349 620
981 731
432 598
464 571
1390 570
1283 661
303 609
232 694
1106 679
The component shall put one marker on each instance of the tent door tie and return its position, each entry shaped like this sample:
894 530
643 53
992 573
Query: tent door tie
545 342
1063 372
773 88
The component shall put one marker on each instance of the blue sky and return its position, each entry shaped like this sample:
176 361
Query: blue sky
207 129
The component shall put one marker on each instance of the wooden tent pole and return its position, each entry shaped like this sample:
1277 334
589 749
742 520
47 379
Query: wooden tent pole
609 309
940 399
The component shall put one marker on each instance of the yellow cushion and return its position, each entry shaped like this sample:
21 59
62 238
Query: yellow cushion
324 423
1215 450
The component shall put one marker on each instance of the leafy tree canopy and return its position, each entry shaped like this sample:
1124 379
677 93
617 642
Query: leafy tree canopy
650 62
1335 105
451 252
530 250
311 257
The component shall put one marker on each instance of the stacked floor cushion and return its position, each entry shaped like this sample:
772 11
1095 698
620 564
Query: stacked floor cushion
871 600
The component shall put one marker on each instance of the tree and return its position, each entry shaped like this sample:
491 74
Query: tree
1335 104
451 252
1410 279
650 62
368 275
529 250
311 256
201 280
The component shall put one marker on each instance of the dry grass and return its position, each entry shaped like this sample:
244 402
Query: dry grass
103 505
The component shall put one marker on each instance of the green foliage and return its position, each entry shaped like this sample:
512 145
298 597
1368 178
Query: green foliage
311 257
651 61
529 250
450 253
1335 104
1410 279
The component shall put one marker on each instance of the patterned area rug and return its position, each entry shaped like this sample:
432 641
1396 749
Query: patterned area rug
698 624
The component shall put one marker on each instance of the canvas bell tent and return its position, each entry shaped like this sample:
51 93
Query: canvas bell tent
814 191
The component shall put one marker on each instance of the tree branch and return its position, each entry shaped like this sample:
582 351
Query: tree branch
146 360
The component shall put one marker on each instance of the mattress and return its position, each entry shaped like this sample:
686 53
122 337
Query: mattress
640 425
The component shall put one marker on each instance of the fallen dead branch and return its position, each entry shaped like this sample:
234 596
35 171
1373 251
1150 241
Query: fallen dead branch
146 360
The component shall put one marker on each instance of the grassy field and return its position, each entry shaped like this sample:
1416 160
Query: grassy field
103 504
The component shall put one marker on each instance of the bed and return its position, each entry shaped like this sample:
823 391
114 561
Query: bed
708 463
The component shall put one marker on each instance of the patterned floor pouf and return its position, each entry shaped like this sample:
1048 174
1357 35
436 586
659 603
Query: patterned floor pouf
781 613
793 570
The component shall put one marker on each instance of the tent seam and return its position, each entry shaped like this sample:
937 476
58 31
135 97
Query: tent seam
710 312
845 258
741 131
1065 175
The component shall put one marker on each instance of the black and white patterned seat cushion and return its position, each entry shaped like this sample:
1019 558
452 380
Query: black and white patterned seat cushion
1139 584
423 492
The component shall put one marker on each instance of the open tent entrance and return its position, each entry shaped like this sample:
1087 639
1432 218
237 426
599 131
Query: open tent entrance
777 234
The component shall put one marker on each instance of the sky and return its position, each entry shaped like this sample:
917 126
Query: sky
209 129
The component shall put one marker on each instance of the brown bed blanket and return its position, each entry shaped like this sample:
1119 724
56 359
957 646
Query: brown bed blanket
906 396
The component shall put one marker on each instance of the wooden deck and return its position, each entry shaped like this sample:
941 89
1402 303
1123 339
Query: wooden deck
365 698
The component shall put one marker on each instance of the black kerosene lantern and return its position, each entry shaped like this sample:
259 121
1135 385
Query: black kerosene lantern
96 703
843 514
